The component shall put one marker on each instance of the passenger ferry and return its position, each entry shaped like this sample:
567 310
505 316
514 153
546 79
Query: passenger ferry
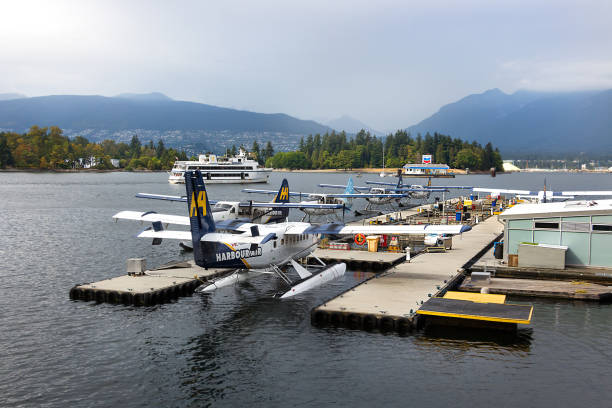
221 169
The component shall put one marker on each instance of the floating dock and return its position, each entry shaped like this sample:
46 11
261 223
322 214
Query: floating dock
577 290
160 285
591 274
475 309
358 260
390 302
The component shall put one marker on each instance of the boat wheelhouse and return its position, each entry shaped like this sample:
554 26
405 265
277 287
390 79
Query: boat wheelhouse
239 169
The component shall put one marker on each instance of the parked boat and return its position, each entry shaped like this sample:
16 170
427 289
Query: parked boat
239 169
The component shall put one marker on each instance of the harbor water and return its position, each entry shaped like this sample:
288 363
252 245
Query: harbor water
239 345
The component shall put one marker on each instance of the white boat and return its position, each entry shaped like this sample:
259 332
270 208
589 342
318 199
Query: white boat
220 169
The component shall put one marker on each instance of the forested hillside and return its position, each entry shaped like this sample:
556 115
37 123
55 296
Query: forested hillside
337 151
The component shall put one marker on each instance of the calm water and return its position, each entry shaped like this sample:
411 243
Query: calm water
239 345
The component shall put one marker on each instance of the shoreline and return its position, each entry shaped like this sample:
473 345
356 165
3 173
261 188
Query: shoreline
388 171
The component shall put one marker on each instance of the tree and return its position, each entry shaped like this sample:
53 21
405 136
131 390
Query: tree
160 149
467 158
269 150
6 157
255 151
135 146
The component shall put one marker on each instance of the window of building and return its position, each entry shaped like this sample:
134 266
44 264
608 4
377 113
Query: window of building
547 225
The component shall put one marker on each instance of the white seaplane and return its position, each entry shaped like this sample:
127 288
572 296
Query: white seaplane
248 249
264 212
417 191
381 196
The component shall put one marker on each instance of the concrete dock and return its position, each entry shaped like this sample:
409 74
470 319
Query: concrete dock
390 302
359 260
160 285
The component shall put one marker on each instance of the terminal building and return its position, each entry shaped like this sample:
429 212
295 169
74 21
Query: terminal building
427 170
579 230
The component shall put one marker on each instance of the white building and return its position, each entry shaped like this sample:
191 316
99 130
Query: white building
427 170
585 227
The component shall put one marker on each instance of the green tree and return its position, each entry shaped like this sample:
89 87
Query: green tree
135 146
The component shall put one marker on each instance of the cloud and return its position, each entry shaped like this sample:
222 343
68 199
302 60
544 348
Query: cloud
558 75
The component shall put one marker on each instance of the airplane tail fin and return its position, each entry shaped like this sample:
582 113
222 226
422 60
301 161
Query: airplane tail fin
281 197
349 187
283 193
200 214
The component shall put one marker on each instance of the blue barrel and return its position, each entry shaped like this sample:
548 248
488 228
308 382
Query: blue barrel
458 216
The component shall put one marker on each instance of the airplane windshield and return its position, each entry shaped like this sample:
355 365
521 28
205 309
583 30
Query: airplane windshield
221 207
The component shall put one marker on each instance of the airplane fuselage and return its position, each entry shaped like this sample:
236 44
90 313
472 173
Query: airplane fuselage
229 250
323 199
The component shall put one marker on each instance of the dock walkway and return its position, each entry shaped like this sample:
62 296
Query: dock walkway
159 285
390 301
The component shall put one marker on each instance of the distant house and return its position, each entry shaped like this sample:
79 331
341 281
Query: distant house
115 162
427 170
87 164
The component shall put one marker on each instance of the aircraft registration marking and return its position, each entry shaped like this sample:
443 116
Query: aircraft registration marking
200 203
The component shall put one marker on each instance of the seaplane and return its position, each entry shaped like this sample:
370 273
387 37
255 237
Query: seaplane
249 249
276 210
416 191
344 199
382 196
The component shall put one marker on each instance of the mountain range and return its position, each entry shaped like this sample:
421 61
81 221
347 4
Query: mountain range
351 125
527 122
519 124
136 111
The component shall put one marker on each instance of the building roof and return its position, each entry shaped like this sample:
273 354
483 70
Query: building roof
427 166
560 209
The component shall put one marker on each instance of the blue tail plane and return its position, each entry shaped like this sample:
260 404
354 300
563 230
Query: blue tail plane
282 196
200 214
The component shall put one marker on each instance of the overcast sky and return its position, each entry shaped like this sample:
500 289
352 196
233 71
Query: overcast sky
389 64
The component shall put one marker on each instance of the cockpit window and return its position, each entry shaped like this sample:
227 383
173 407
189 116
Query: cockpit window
221 207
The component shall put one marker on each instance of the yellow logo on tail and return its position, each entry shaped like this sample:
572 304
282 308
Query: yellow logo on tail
284 194
201 203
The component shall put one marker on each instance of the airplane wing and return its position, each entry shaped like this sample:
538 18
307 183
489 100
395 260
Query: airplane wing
341 229
343 186
152 216
367 195
504 191
291 193
291 205
422 190
381 183
166 234
452 187
586 193
167 197
431 188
